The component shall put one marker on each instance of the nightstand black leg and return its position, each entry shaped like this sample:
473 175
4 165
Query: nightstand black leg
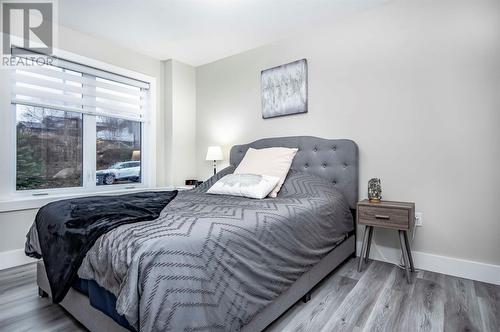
363 248
370 234
405 255
408 250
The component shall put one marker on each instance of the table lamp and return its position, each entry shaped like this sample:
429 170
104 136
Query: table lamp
214 153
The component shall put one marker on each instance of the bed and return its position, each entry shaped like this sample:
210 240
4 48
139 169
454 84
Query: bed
252 268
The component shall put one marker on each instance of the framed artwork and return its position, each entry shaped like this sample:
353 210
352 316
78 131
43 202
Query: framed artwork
284 89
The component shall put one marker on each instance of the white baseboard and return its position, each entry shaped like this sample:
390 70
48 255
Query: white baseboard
447 265
14 258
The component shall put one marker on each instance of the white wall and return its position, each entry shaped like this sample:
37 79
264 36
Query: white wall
416 84
175 129
14 225
180 105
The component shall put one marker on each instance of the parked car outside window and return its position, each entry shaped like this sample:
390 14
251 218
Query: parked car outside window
122 171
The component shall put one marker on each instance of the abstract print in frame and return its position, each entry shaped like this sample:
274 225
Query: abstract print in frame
284 89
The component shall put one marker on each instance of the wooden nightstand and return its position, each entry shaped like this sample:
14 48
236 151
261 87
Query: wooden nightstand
399 216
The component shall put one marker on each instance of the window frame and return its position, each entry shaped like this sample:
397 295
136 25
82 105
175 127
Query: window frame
8 192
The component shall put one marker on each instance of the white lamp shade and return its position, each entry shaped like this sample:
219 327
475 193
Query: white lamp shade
214 153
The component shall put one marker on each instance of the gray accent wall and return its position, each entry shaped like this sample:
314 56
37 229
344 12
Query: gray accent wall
416 85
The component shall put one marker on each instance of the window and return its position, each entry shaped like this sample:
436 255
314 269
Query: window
118 142
49 148
78 127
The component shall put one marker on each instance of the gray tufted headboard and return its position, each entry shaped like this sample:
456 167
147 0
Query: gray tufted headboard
333 159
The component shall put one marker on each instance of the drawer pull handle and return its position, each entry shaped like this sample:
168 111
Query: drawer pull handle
379 216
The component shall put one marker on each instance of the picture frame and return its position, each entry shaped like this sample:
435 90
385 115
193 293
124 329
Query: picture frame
284 89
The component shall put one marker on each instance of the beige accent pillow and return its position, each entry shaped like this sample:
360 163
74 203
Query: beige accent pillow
271 162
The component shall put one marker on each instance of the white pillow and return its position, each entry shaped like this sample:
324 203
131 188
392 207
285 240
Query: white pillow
246 185
271 161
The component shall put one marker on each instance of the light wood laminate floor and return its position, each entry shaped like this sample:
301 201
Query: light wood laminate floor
378 299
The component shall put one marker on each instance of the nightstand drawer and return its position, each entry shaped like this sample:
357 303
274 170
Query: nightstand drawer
384 217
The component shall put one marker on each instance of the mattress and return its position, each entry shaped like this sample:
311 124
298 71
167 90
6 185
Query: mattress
102 300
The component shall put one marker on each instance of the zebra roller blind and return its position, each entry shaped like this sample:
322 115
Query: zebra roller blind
70 86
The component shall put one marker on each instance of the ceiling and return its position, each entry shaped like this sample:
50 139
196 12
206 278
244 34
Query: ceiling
201 31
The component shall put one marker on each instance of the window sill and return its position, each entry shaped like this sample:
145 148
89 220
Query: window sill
11 204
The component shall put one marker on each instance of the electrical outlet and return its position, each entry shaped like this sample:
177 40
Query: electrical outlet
419 219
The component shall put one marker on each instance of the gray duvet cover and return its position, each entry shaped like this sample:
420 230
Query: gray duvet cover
212 262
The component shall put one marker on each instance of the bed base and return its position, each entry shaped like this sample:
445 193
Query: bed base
77 304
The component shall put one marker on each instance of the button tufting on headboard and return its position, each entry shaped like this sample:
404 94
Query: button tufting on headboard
315 156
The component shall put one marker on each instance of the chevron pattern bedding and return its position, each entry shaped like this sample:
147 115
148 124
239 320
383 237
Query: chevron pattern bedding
212 262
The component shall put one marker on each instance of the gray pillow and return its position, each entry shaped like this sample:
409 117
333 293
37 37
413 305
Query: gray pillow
245 185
